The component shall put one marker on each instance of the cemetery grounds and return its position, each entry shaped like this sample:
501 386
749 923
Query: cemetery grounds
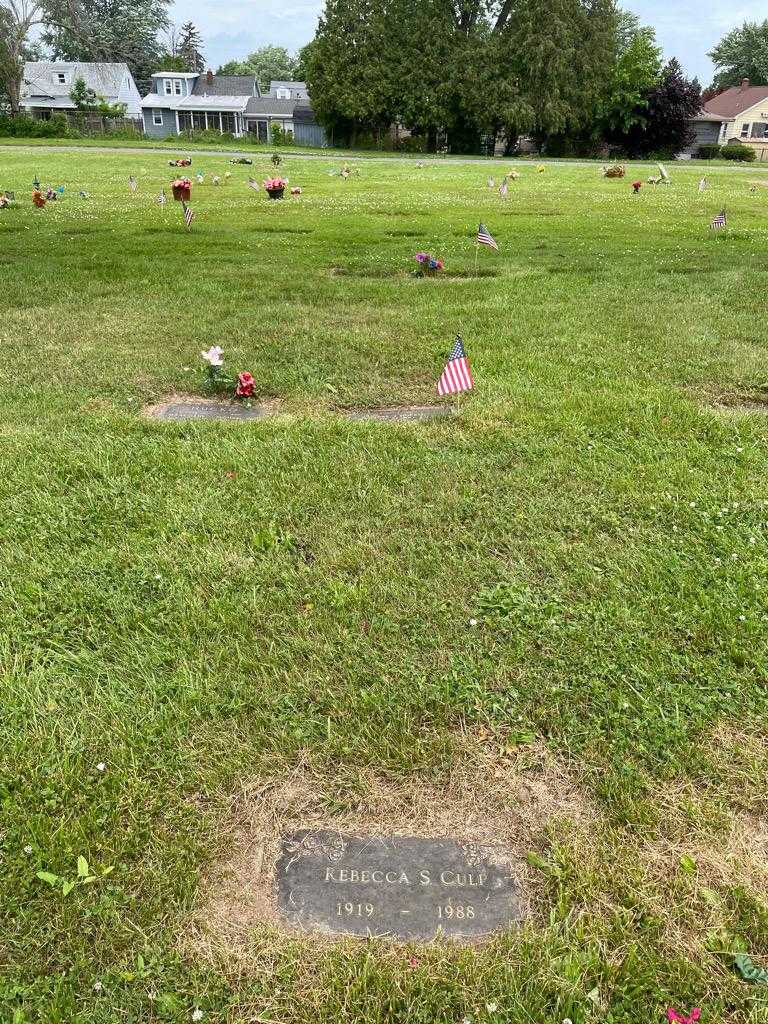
540 621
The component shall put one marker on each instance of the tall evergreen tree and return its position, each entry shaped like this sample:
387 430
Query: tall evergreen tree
190 48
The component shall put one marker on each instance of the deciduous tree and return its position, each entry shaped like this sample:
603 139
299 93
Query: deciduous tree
743 53
268 63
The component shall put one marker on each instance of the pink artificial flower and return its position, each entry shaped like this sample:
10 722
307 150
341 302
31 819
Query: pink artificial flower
245 385
678 1018
421 257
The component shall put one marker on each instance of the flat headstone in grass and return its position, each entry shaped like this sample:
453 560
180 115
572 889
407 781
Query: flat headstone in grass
185 409
398 414
396 886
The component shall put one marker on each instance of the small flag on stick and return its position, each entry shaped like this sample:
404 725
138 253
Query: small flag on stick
132 184
703 185
503 189
484 238
161 198
254 184
457 376
720 221
188 215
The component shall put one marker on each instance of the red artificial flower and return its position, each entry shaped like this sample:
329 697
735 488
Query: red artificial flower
637 185
245 385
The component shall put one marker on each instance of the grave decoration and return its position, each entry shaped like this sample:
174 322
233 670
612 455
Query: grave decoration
429 265
38 198
245 385
541 168
214 367
295 191
276 159
200 177
615 171
182 189
275 187
636 186
242 160
83 194
216 179
51 195
10 196
4 201
183 161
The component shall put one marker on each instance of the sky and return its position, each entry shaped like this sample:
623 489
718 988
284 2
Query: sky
686 29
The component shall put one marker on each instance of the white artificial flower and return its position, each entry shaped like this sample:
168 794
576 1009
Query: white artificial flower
214 356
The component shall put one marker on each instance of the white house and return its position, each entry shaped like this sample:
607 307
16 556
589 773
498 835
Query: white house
47 85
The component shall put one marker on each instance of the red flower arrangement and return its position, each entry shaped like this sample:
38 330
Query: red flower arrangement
181 188
637 185
245 385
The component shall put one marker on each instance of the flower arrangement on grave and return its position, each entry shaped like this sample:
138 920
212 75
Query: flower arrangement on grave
50 194
182 189
38 198
183 161
275 187
276 159
4 201
242 160
200 177
216 179
615 171
428 265
636 186
245 385
295 191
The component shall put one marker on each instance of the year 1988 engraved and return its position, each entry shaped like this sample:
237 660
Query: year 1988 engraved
457 913
354 909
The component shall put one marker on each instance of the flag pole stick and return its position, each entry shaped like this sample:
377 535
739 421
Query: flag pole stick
477 253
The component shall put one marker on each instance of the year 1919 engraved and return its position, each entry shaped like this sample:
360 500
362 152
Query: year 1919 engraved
354 909
457 913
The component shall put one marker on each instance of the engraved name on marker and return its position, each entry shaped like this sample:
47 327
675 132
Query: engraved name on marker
399 886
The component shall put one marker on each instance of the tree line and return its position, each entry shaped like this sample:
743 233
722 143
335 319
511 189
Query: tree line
573 74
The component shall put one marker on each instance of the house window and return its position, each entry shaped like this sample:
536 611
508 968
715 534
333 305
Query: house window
759 130
745 131
157 117
283 94
62 77
168 87
177 86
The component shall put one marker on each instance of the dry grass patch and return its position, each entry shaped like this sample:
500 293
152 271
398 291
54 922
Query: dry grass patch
508 800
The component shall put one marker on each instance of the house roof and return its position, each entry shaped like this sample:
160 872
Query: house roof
269 106
737 99
298 90
226 85
704 115
41 78
155 101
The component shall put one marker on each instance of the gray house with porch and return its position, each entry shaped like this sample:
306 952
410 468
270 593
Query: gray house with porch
186 101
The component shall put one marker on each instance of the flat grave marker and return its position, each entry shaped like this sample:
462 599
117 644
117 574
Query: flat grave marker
398 414
395 886
227 411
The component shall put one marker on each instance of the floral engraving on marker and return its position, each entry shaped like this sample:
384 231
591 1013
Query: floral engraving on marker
332 847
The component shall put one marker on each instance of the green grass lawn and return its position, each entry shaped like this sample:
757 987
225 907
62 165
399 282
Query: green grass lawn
542 621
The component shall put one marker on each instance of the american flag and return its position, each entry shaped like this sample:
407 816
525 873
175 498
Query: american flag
456 376
703 185
484 237
188 215
254 184
503 189
161 198
720 221
132 184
